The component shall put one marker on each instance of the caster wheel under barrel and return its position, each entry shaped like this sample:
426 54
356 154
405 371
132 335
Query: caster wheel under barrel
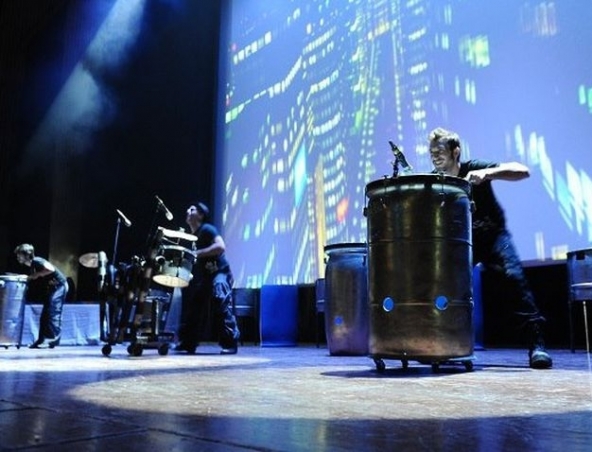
106 350
163 349
380 366
135 350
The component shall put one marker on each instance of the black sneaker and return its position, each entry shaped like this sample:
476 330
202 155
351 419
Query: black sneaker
229 350
43 345
540 359
185 348
36 344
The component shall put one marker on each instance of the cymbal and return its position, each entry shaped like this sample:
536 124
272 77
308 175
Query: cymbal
172 234
89 260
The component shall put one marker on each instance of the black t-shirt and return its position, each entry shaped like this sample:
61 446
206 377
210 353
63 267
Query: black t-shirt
40 287
488 217
208 265
55 278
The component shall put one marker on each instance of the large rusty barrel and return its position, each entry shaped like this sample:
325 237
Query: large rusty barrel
420 268
346 299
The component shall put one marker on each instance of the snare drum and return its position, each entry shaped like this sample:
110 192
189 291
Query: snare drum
173 266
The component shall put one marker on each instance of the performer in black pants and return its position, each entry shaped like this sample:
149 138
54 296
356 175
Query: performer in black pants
50 286
492 242
211 283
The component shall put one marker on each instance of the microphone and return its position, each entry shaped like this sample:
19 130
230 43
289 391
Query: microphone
102 270
124 218
407 168
167 212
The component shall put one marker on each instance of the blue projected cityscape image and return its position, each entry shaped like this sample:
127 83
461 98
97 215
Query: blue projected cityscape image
311 93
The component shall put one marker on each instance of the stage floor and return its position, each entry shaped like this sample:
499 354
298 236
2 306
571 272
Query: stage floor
73 398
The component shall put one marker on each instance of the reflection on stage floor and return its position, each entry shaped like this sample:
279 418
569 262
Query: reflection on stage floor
73 398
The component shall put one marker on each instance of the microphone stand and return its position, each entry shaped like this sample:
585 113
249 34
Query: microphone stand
109 290
400 161
114 260
396 164
112 266
153 228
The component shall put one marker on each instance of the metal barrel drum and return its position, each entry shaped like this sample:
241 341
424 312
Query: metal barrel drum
346 299
12 292
420 268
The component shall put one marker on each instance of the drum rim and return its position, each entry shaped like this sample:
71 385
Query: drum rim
166 278
14 278
175 247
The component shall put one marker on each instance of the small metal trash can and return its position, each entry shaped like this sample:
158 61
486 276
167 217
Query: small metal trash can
346 299
12 309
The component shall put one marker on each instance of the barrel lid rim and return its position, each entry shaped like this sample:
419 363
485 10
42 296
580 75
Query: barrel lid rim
585 251
340 246
175 247
414 178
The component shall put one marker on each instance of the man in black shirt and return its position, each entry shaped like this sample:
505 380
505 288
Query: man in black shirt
212 282
492 242
51 286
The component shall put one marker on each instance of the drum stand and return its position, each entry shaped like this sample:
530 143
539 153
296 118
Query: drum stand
126 314
108 308
147 334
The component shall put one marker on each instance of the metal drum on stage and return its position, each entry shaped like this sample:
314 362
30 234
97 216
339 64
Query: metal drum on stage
12 291
173 266
420 268
346 299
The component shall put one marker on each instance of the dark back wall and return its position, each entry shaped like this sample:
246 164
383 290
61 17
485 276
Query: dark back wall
152 135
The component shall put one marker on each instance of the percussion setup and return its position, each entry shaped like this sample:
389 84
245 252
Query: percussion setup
135 296
174 262
406 294
420 270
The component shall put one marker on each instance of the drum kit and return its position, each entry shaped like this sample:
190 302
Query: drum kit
174 262
128 308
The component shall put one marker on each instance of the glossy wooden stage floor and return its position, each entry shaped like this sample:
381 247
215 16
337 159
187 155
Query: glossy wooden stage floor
72 398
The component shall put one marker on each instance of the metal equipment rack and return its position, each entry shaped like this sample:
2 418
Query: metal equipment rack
129 313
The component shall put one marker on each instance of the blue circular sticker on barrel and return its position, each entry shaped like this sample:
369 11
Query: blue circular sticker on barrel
441 302
388 304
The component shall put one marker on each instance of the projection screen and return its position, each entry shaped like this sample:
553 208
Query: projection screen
311 92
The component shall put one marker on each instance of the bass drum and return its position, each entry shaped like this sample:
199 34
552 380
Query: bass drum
420 268
173 266
12 304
